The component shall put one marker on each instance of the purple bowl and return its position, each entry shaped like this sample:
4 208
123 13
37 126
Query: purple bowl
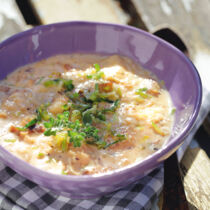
168 63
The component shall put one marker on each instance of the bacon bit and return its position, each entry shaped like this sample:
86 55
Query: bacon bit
37 129
154 92
3 115
14 129
4 89
106 87
67 67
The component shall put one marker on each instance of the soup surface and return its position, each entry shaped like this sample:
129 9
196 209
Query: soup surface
83 114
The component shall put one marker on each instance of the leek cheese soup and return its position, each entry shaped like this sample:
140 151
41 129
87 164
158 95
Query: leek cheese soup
83 114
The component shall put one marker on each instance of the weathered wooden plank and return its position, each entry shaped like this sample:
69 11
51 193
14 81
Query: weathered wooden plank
189 19
61 10
11 19
196 174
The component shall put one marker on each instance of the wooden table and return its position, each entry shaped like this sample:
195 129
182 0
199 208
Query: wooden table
185 23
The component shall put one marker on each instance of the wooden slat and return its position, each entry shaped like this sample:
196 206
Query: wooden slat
196 174
51 11
189 19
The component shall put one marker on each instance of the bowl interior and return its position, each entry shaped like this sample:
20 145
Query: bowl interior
166 62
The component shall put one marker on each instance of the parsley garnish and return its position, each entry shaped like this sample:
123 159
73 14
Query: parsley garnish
77 123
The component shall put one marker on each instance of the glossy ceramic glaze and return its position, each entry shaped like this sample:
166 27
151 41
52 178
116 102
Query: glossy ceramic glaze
168 63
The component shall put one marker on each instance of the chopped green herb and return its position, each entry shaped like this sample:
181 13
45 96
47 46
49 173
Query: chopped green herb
50 132
66 84
66 107
28 125
42 113
98 75
142 93
31 123
113 107
173 111
120 138
97 67
76 138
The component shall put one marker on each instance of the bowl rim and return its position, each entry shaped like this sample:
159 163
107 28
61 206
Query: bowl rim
148 160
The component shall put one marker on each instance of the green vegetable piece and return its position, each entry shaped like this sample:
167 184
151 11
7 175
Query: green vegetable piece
50 123
10 140
42 113
50 83
98 75
97 67
142 92
76 115
31 123
76 138
121 137
113 107
89 76
67 84
64 172
64 145
50 132
40 155
87 117
66 107
157 129
173 111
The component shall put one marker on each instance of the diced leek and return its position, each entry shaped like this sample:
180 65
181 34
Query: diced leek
142 92
119 92
64 172
157 129
40 155
145 138
10 140
66 107
61 140
64 145
76 115
173 110
97 67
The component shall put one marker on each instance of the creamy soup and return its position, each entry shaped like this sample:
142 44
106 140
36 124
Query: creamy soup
83 114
